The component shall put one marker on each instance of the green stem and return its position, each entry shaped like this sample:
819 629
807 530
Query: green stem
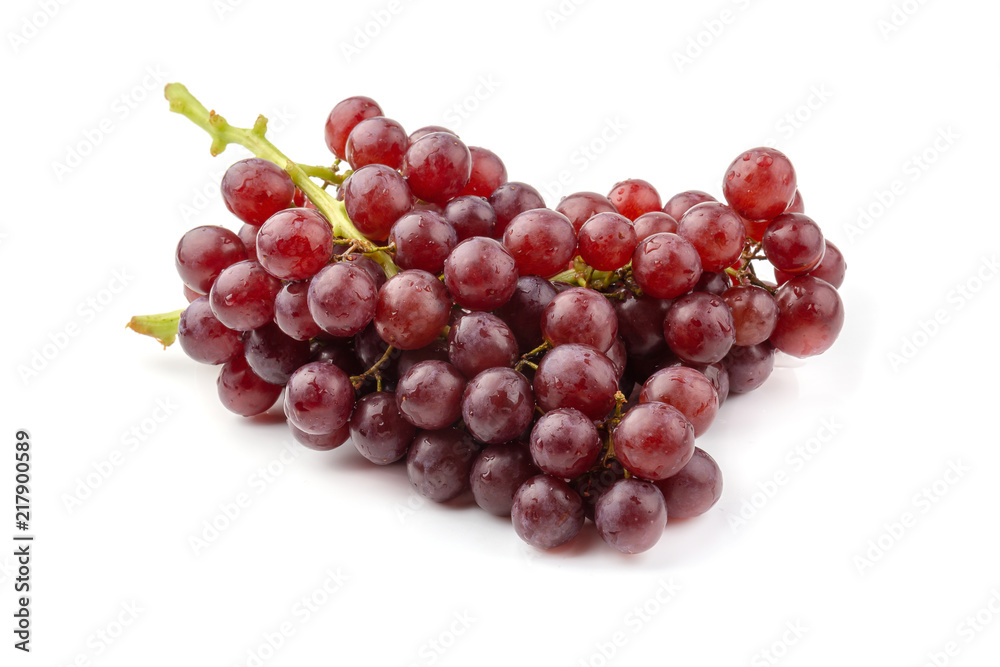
253 139
162 327
326 173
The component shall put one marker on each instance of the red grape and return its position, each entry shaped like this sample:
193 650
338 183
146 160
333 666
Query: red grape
760 184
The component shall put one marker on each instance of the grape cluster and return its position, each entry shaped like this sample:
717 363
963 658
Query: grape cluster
557 364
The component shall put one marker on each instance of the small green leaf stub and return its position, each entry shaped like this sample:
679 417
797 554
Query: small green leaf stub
162 327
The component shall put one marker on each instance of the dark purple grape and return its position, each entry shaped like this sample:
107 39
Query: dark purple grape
344 118
322 442
591 485
479 341
497 473
631 516
488 173
470 216
498 405
340 352
437 167
203 253
713 283
653 440
204 338
429 395
378 431
370 267
242 391
546 512
439 462
580 315
510 199
523 311
291 312
242 297
576 376
640 323
412 309
695 489
748 367
541 241
699 327
436 351
342 299
319 398
565 443
255 189
480 274
716 374
273 355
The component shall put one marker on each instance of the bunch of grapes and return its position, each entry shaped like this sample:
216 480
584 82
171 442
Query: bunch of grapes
558 364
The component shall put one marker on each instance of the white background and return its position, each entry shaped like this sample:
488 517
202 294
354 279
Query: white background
858 103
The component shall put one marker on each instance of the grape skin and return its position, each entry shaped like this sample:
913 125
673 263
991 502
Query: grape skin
319 398
411 310
345 117
565 443
693 490
498 405
699 327
342 299
541 241
653 440
378 430
242 391
666 266
480 341
576 376
204 338
810 317
255 189
686 389
242 297
480 274
203 253
760 184
631 515
497 473
429 395
580 315
546 512
438 463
